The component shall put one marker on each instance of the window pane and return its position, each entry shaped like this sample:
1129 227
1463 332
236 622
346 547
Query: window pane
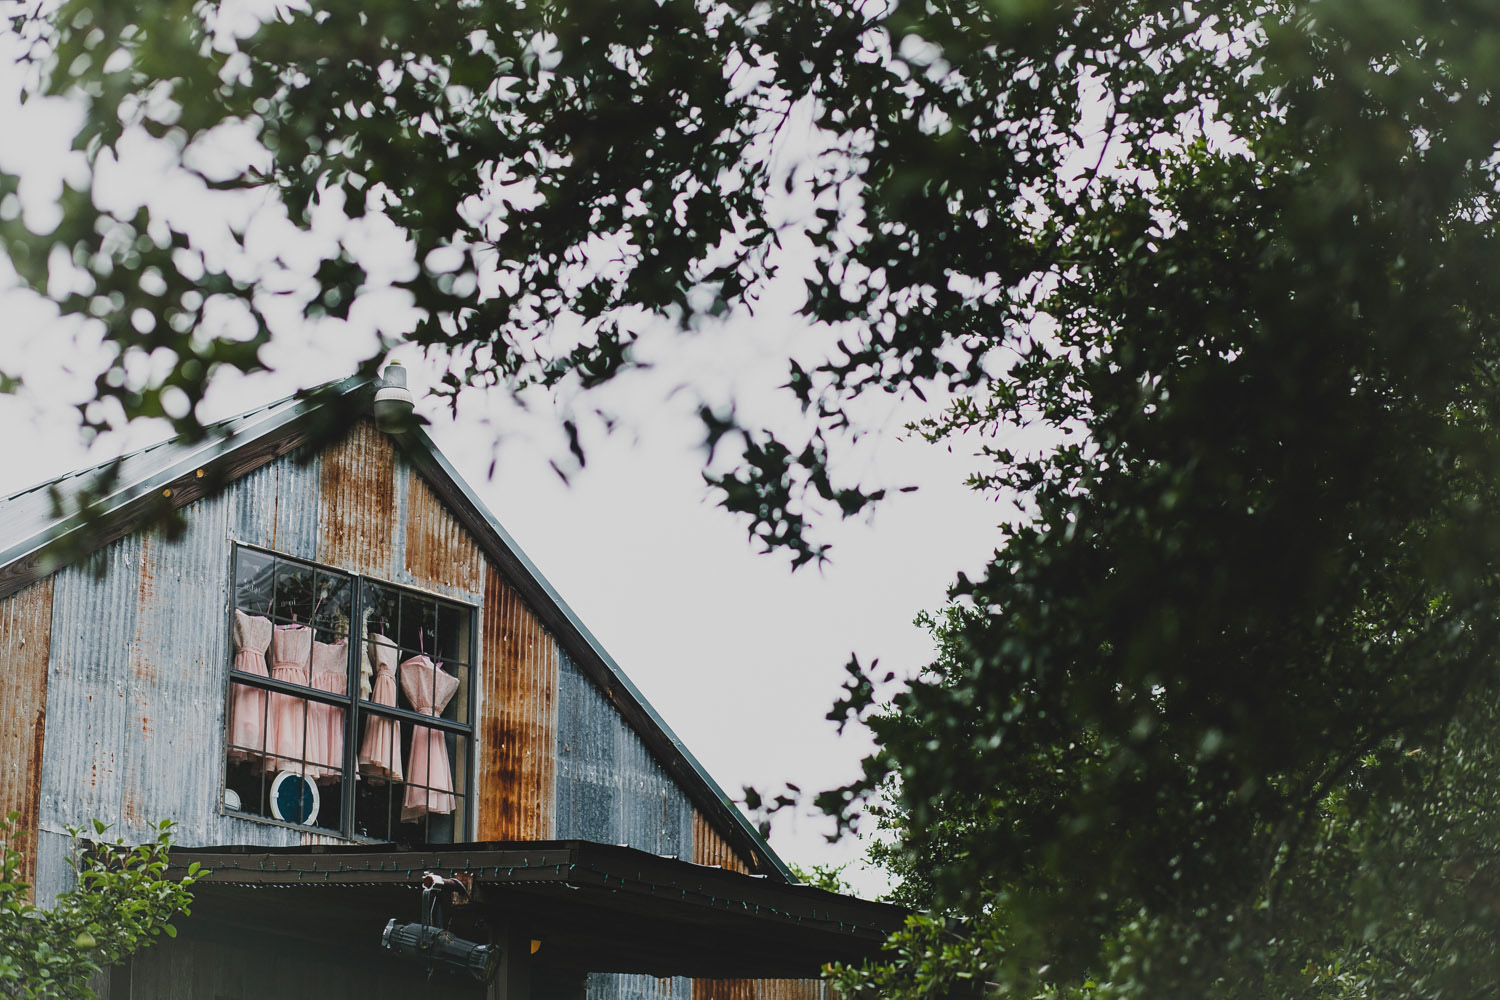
453 628
286 755
380 609
296 594
382 757
331 610
457 709
432 804
247 723
288 786
254 581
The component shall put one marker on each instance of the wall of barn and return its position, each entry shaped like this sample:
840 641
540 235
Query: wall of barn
130 653
25 634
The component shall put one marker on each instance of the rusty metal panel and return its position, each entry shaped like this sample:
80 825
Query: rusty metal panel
139 655
439 553
88 687
517 728
176 656
759 989
357 502
709 848
25 638
276 506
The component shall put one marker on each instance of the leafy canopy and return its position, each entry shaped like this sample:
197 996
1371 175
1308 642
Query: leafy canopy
1233 262
122 902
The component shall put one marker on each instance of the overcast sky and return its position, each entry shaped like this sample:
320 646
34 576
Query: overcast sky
741 656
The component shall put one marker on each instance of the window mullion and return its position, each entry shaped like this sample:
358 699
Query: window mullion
352 716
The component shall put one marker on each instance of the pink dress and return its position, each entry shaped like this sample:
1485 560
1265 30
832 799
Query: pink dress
325 723
286 735
247 706
429 690
379 756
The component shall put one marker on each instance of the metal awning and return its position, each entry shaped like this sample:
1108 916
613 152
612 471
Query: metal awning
589 906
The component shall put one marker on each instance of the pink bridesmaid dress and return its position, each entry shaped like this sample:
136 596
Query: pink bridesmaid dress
286 736
379 755
325 723
429 690
247 709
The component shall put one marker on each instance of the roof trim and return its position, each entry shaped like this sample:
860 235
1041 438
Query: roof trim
133 502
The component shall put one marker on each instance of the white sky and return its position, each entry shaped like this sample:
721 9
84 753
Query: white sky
740 656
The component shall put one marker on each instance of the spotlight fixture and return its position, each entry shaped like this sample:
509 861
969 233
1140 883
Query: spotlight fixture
430 941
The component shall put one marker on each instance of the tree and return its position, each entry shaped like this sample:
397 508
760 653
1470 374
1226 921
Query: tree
122 902
1234 262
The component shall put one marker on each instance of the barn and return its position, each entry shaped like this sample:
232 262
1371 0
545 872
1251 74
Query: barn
305 640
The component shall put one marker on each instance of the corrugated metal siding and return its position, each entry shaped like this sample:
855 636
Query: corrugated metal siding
709 848
518 719
357 503
54 866
177 655
136 679
276 507
760 989
93 625
440 554
605 986
609 787
377 517
25 627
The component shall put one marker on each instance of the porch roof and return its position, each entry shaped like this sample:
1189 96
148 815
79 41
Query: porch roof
591 906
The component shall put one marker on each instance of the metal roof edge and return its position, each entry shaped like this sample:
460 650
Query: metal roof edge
210 450
592 644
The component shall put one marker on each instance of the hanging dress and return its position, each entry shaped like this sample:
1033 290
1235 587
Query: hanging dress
325 723
380 752
247 707
286 736
429 690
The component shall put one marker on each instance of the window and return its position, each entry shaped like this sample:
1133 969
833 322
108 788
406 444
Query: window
348 703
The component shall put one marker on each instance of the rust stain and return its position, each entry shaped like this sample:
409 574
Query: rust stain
25 647
357 502
142 651
709 848
439 552
518 724
760 989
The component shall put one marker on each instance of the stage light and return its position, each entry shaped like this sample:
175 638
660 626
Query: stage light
431 943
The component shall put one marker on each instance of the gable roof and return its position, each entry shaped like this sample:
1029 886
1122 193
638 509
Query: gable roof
36 539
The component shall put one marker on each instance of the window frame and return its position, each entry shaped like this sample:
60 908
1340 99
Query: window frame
355 708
